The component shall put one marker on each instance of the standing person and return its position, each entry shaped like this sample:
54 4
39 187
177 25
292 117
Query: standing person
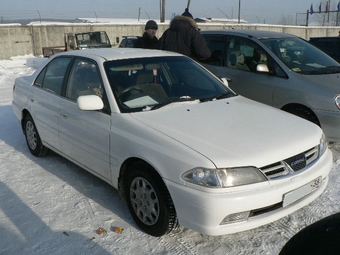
184 37
149 39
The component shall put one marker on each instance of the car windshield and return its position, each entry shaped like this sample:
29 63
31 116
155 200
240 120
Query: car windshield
302 57
151 83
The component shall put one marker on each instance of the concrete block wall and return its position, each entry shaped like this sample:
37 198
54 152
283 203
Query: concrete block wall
16 40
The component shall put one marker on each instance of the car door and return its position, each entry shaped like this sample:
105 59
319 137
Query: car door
240 59
45 100
84 135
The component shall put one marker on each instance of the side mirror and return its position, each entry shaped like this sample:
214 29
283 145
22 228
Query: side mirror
263 68
90 103
225 81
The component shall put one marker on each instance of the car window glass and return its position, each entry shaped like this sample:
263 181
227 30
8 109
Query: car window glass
244 54
130 43
329 45
84 79
52 77
122 43
40 79
301 57
103 39
140 84
276 69
216 43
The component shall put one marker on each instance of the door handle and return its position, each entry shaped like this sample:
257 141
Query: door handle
63 114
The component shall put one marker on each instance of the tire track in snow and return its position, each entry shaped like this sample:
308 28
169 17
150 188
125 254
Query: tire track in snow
177 244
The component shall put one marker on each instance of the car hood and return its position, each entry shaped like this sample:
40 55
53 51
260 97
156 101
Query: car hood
234 132
330 81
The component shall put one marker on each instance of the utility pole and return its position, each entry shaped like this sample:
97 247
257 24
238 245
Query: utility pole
329 7
239 11
188 4
162 11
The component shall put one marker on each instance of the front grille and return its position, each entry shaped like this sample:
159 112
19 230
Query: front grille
292 164
297 162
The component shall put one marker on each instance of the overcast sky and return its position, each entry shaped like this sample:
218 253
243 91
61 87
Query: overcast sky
253 11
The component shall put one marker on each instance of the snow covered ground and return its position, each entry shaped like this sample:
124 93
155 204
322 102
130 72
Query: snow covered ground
51 206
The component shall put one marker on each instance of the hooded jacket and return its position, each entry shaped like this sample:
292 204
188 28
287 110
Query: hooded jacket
183 37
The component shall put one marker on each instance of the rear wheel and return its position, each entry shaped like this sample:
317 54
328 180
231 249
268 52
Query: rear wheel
149 200
32 138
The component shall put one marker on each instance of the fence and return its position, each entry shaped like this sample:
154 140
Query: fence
17 40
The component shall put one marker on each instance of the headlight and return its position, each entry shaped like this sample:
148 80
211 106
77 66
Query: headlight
323 144
337 101
224 178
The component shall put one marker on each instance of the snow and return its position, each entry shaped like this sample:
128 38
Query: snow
49 205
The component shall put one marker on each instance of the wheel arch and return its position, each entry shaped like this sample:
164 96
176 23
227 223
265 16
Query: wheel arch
124 170
25 112
165 219
300 109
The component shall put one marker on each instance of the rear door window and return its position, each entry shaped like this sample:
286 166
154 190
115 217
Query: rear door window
53 75
217 45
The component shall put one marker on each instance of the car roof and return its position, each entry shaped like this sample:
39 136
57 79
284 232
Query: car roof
118 53
130 36
327 37
259 34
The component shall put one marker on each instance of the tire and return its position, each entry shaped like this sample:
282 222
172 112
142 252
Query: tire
304 113
32 138
149 200
322 237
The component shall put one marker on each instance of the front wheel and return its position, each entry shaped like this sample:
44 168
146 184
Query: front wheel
32 138
149 200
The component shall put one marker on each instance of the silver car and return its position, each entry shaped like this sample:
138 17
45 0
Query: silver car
280 70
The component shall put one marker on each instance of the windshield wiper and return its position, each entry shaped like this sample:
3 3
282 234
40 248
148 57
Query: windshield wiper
224 95
326 70
332 69
186 99
219 96
176 100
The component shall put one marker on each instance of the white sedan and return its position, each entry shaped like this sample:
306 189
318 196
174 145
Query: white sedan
180 147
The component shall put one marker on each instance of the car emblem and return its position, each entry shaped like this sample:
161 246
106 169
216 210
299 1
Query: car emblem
297 162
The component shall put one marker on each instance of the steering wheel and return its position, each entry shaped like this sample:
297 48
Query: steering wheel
130 89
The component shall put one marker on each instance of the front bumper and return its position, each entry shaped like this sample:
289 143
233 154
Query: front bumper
204 211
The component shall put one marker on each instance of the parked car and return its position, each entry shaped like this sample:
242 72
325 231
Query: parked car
79 41
321 237
280 70
180 146
128 41
328 44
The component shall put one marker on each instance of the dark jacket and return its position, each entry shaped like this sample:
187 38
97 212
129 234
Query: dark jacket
183 37
146 42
